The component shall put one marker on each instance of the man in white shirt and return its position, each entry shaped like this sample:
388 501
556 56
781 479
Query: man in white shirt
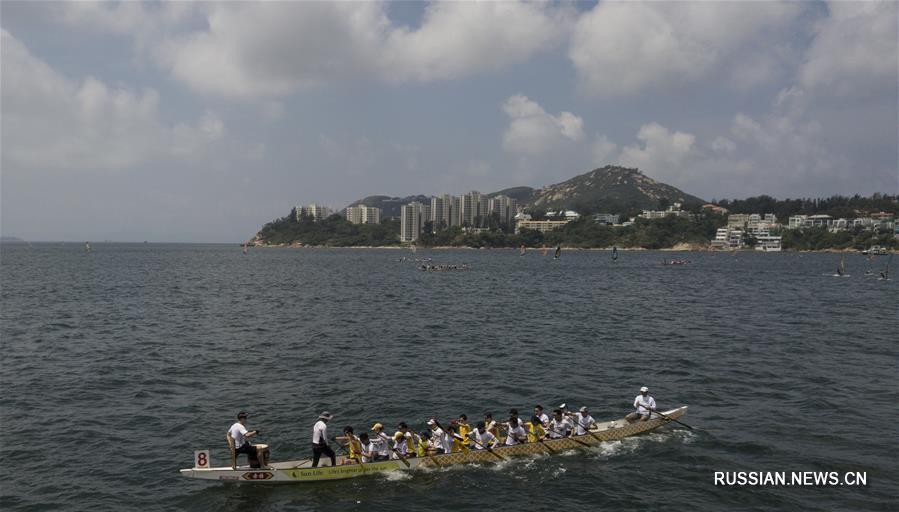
482 437
538 412
559 426
320 440
582 421
644 404
442 441
367 450
516 433
380 442
404 442
238 435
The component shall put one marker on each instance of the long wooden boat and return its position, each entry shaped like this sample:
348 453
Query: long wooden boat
294 471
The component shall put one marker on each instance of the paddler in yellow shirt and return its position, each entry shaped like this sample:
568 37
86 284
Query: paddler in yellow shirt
536 432
354 447
464 432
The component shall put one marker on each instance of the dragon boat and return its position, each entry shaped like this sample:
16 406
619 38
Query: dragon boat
295 471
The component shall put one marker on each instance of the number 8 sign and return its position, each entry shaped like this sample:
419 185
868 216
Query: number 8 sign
201 459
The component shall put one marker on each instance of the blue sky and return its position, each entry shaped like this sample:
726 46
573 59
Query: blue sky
202 121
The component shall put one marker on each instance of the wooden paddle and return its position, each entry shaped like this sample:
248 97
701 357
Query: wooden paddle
669 418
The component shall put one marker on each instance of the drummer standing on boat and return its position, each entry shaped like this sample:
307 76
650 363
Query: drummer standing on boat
320 440
644 405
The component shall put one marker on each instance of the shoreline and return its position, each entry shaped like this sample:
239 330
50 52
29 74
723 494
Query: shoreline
564 248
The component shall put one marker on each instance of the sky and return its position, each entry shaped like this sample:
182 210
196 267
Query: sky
199 122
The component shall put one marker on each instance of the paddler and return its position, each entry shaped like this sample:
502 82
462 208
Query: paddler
320 440
483 438
442 442
492 427
559 426
535 429
238 436
538 411
464 429
516 433
644 404
424 446
403 441
353 446
380 442
366 448
582 420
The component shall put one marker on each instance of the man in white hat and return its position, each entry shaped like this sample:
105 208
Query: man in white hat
582 420
320 440
643 405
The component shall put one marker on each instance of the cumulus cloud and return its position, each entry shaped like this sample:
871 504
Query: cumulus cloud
315 43
603 151
854 49
533 131
660 151
51 122
622 48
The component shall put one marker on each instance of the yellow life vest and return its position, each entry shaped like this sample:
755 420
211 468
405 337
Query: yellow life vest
354 449
464 430
535 432
422 450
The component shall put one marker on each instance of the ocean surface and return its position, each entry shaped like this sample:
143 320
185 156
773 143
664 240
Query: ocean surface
115 365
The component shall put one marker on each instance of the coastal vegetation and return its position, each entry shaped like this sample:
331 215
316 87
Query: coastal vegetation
846 207
334 231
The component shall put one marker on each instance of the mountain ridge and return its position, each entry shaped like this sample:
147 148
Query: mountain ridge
611 189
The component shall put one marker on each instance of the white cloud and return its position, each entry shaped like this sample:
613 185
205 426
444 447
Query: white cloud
854 50
723 145
460 38
603 151
51 122
662 151
315 43
533 131
621 48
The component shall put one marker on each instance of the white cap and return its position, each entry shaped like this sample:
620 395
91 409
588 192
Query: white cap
584 408
644 389
431 422
562 406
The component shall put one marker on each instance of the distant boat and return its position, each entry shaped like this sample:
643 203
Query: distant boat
885 273
614 253
244 247
543 250
841 268
558 253
87 247
521 250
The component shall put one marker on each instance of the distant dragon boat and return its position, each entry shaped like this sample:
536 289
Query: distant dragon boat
295 471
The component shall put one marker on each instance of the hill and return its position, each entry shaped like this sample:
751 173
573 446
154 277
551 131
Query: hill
390 206
610 189
524 195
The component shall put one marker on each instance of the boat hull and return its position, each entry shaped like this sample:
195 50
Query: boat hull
301 471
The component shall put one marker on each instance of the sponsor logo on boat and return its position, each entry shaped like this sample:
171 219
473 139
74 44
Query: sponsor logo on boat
257 475
228 477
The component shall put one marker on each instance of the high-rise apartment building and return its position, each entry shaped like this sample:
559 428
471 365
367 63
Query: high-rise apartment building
362 214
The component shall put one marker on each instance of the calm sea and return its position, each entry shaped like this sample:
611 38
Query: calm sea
117 364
